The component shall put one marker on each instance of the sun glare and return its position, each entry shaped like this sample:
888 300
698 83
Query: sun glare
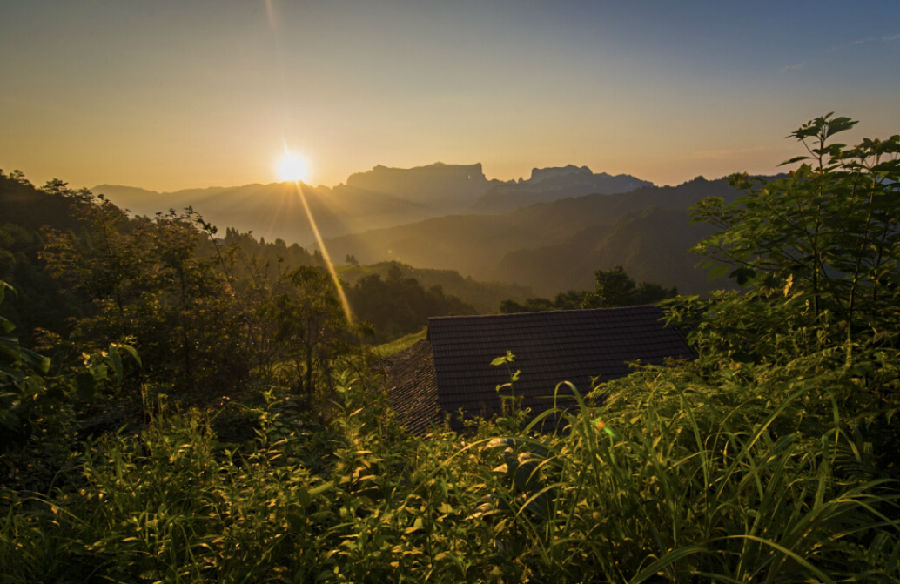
293 167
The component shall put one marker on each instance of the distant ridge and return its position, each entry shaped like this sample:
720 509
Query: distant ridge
274 210
532 232
556 246
443 187
553 183
373 199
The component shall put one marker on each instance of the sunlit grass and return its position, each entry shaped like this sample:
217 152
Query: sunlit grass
692 482
397 345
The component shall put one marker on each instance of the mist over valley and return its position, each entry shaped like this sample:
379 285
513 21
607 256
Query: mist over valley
549 232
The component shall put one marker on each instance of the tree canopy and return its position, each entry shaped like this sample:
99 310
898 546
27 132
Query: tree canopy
611 288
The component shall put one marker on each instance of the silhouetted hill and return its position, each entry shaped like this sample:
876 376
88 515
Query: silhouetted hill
550 184
650 244
378 198
274 210
388 214
24 205
443 188
483 296
556 246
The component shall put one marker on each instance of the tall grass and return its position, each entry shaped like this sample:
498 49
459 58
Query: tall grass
763 477
397 345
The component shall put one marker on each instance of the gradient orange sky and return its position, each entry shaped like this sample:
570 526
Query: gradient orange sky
168 95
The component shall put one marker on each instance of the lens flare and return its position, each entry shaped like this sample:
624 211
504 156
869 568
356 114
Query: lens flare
342 296
293 167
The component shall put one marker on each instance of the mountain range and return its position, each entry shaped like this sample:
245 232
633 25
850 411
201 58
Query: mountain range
557 246
548 184
549 231
274 211
381 197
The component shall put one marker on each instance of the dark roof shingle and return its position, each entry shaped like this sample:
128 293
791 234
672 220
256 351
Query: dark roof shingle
549 347
451 370
412 389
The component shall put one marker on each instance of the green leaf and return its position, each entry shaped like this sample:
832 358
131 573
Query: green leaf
508 358
793 160
15 352
116 362
316 491
836 125
889 166
128 349
86 385
4 286
416 526
666 561
800 560
742 275
100 372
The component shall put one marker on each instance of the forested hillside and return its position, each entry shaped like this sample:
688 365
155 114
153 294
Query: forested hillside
381 197
550 184
556 246
274 211
191 300
547 233
652 243
484 297
610 288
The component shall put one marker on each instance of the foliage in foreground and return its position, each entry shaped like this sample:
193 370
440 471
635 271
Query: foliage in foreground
678 477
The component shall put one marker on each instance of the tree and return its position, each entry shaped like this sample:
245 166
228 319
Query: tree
616 288
97 261
824 239
612 288
40 401
310 327
398 305
145 281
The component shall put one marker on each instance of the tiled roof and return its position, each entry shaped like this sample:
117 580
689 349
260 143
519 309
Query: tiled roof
412 389
549 347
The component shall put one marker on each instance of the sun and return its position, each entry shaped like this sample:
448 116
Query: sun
293 167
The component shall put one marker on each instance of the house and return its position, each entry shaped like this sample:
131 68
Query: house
451 371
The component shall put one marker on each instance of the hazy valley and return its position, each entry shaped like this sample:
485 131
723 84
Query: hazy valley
548 232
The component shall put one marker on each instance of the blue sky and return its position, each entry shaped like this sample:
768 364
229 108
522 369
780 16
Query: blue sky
168 95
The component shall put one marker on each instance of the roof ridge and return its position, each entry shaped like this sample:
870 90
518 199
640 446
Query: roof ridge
545 312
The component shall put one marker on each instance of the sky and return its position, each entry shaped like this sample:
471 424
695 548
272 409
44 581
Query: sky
193 93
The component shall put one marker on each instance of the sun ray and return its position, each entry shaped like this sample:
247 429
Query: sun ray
342 296
294 168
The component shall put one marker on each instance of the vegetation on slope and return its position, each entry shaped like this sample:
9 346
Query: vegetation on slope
611 288
556 246
397 306
770 458
484 297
